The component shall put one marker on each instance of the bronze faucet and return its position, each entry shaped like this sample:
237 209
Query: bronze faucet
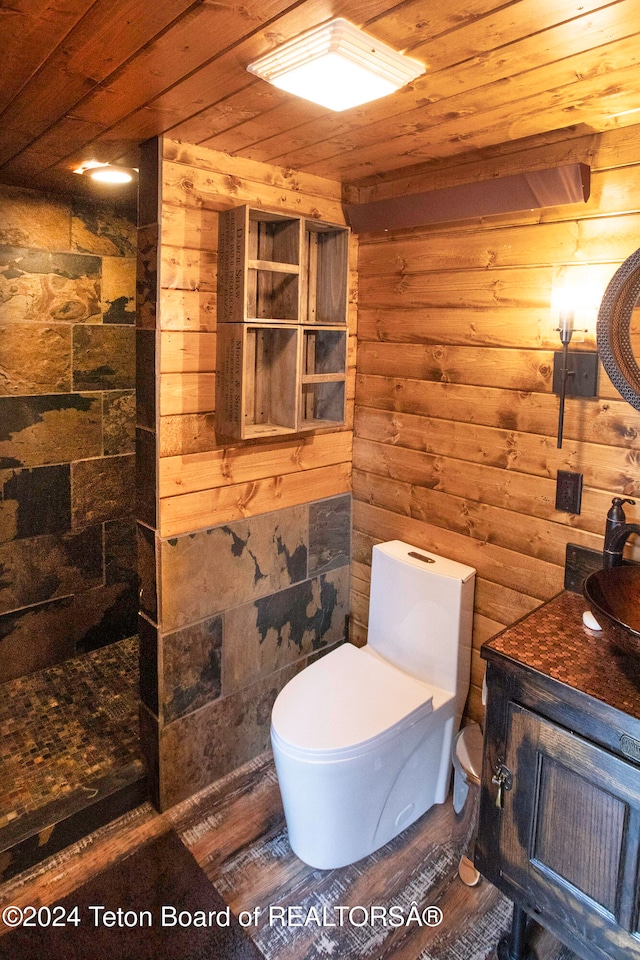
616 534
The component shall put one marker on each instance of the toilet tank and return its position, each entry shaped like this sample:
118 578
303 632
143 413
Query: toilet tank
421 615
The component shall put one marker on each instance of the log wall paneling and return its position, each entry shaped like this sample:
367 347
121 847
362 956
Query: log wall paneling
455 427
196 186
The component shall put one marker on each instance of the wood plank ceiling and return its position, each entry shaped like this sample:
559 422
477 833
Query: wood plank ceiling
93 78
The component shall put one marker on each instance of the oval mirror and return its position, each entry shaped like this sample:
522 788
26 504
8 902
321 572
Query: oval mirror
618 330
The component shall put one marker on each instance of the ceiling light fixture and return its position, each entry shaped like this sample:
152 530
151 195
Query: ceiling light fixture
337 66
106 172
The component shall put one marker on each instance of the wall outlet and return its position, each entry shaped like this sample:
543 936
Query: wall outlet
568 491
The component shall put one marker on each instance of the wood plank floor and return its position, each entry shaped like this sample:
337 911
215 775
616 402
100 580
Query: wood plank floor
235 829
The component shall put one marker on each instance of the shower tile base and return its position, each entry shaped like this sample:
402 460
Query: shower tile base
59 824
69 753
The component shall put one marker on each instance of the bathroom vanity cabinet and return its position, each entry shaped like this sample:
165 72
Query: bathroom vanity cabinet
559 827
282 324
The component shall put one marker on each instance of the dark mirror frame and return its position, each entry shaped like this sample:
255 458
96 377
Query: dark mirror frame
614 330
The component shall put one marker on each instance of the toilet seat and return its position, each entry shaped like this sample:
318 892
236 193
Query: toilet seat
346 703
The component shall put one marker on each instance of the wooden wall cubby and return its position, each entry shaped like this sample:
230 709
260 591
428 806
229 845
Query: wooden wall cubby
326 250
256 379
282 324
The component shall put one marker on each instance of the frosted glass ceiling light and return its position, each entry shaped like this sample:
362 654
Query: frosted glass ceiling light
106 172
337 66
111 175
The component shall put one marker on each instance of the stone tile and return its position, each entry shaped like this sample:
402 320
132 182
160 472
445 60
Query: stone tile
35 502
101 230
150 746
119 422
36 358
8 517
147 571
104 615
147 278
120 552
146 466
54 429
104 358
191 660
118 290
30 219
102 489
208 572
35 638
272 632
149 181
148 635
329 534
208 743
49 287
43 568
146 378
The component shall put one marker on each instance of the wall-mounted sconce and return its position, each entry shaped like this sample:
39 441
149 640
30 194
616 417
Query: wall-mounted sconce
574 374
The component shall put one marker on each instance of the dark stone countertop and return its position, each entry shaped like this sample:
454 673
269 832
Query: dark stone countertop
554 642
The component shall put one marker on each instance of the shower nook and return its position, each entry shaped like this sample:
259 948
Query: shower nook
69 739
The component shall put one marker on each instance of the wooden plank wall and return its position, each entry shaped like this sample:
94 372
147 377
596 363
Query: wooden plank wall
455 428
201 482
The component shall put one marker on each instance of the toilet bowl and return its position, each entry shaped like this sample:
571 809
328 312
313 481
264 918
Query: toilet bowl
362 737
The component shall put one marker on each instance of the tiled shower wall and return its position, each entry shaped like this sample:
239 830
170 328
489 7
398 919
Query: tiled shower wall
246 606
67 423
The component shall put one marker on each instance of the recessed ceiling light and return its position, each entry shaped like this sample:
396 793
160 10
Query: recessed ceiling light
106 172
337 66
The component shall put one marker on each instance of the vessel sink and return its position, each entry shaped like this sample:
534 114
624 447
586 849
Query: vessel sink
614 599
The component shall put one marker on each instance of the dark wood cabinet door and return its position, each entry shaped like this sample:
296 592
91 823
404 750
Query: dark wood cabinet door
569 833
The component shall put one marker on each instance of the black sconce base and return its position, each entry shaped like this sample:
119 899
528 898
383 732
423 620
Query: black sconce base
582 373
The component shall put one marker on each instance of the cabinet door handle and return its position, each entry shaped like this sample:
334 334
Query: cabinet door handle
503 780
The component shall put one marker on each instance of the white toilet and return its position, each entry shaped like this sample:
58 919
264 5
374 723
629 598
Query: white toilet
362 738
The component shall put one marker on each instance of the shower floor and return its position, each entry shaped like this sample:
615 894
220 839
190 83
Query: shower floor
69 752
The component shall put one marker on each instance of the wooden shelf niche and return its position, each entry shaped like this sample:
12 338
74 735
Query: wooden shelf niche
323 379
258 266
282 324
256 380
326 250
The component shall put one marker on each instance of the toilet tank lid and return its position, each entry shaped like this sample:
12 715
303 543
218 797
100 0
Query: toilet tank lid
347 699
423 560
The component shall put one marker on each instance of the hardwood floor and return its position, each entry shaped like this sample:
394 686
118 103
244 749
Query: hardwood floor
235 829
